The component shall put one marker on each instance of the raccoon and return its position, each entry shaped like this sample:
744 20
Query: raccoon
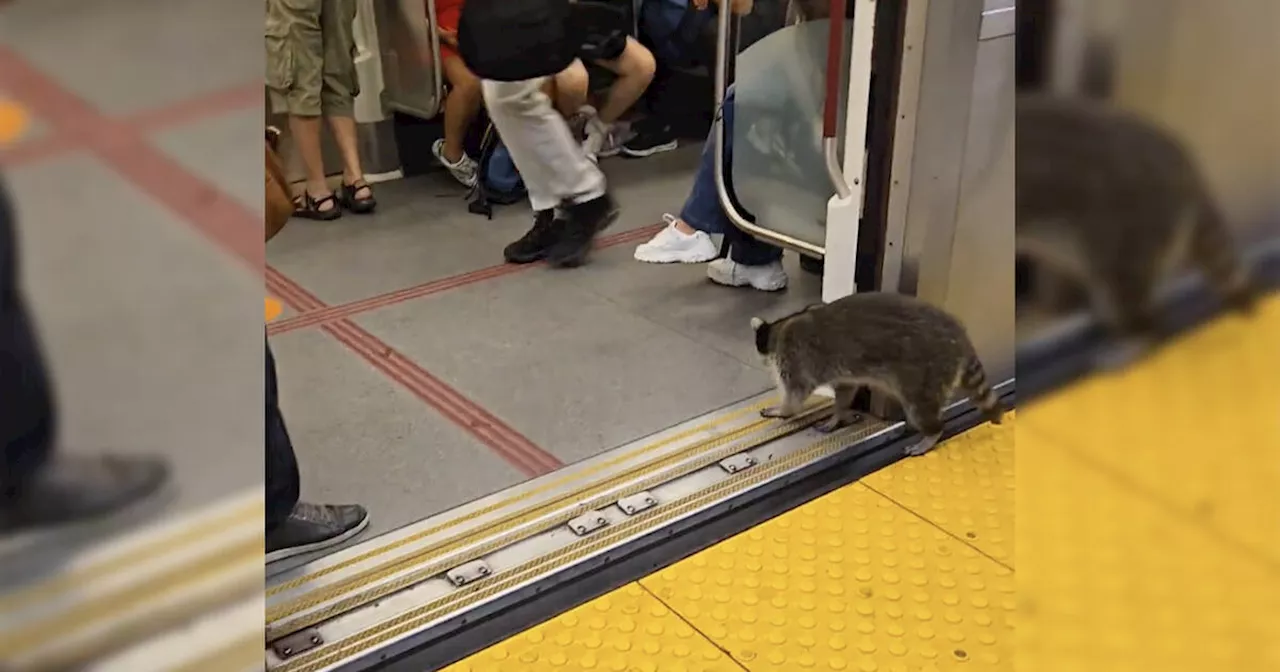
895 344
1111 204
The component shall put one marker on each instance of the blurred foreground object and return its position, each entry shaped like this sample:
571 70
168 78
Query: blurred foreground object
1149 500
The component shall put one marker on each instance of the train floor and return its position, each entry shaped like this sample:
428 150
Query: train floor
419 372
1139 549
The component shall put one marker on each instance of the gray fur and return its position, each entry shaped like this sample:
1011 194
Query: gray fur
894 344
1114 205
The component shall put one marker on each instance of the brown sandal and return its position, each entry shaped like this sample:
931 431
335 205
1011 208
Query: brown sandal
307 206
360 206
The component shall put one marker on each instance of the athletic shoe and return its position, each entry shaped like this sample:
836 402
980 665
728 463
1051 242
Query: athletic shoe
583 222
766 278
464 170
76 488
671 245
649 141
315 527
534 244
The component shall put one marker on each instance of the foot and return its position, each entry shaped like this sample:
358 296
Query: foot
463 169
584 221
75 488
778 412
836 422
315 527
649 141
673 245
534 244
357 196
602 140
766 278
922 446
320 208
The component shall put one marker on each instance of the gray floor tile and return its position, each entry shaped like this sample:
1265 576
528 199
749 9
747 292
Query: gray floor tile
154 335
680 296
215 149
361 438
409 241
125 56
572 371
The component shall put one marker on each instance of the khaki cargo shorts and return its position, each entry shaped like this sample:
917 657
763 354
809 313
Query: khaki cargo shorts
311 57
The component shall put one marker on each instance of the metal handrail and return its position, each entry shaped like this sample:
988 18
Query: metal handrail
831 106
724 58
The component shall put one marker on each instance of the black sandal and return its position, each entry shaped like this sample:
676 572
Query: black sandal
360 206
307 206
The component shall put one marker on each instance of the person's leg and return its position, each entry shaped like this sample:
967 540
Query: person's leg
568 89
554 168
460 110
294 527
38 487
339 88
634 68
686 238
282 483
294 75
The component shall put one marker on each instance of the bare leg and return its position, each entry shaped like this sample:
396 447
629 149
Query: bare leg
842 414
568 89
344 131
306 135
634 68
460 108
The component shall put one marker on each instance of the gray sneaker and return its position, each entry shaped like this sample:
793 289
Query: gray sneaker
79 488
315 527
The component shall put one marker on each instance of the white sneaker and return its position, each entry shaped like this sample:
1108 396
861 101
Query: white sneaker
464 170
767 278
672 245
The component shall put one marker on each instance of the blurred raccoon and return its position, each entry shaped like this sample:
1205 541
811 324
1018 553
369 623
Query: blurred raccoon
891 343
1113 205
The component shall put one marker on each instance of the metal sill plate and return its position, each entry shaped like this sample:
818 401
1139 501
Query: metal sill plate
356 597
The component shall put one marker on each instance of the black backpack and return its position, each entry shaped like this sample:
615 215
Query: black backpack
515 40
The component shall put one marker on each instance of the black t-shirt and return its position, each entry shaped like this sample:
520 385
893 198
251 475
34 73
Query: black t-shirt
515 40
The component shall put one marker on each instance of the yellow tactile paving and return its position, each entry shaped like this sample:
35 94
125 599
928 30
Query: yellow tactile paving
1197 426
627 630
850 581
966 487
1113 581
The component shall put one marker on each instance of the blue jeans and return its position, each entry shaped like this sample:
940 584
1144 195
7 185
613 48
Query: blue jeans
702 208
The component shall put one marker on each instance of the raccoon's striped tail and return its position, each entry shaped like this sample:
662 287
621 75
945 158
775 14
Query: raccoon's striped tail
974 381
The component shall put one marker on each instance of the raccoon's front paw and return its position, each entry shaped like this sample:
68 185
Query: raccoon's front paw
921 447
781 412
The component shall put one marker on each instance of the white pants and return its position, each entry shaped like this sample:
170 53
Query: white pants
552 164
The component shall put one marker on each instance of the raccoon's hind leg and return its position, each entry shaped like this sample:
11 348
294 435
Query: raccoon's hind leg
1122 300
924 414
1215 253
842 413
974 382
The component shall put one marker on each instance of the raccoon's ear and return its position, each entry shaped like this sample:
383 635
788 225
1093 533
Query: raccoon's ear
756 323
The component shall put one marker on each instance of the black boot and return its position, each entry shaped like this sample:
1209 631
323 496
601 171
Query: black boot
583 222
533 246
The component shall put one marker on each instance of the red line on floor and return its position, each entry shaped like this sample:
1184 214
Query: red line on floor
499 437
148 121
126 150
220 218
319 316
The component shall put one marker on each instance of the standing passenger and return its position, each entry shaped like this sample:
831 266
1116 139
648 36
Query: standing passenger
515 46
311 72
